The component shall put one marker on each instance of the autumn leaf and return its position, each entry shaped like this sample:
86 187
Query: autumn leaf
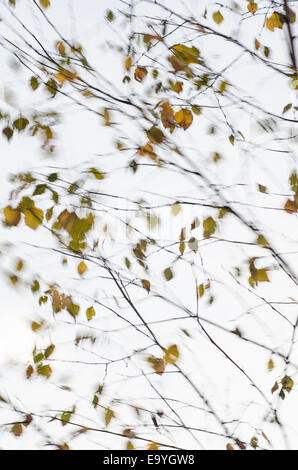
252 7
45 3
209 226
184 118
171 354
167 115
33 217
90 312
217 17
82 267
109 414
12 216
155 135
17 429
146 285
140 74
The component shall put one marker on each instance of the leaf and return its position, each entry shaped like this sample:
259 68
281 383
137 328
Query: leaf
287 383
65 417
33 217
128 62
184 118
96 173
262 188
20 124
73 309
146 284
12 216
209 226
157 363
60 47
90 312
44 370
177 87
257 275
201 290
29 371
217 17
276 20
175 208
188 54
261 240
140 74
182 248
153 446
171 354
270 364
168 274
254 442
82 267
45 3
49 351
229 447
109 414
130 446
155 135
34 83
8 132
274 388
39 357
252 8
167 116
286 108
35 286
290 206
232 139
17 429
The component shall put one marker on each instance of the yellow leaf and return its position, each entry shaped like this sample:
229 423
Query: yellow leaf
176 87
147 150
171 354
153 446
60 47
229 447
217 17
12 216
128 63
90 312
270 364
33 217
252 8
17 429
201 290
184 118
189 55
82 268
275 21
45 3
140 74
130 446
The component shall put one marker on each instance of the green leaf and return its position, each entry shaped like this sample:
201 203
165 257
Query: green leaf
39 357
34 83
96 173
168 274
